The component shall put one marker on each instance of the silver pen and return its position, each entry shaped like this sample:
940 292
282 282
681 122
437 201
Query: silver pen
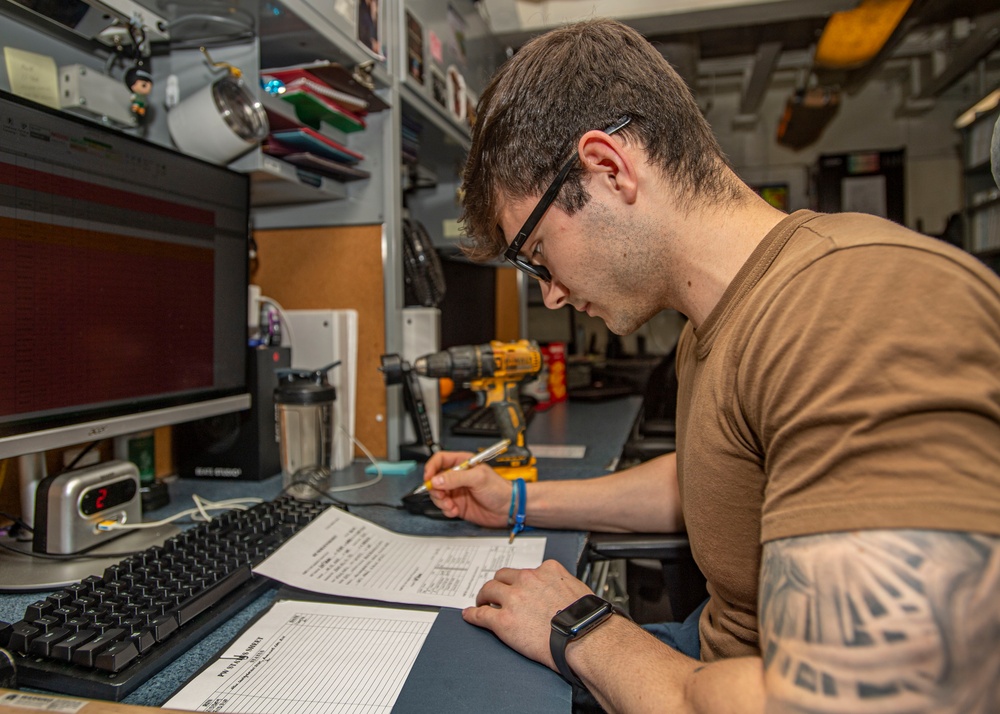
485 455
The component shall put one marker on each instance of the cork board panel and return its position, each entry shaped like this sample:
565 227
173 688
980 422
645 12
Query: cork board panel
335 268
506 313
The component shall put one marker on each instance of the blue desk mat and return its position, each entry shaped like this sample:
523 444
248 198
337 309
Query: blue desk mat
464 668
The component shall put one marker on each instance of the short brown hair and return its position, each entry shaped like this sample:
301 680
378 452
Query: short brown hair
561 85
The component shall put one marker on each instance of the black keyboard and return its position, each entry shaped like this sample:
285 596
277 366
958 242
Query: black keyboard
104 636
483 421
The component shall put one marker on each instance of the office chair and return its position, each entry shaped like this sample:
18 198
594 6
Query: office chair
655 430
661 581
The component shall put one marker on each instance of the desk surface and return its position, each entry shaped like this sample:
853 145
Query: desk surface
460 668
603 427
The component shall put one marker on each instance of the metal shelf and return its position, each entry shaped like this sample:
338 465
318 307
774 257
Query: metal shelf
276 182
422 108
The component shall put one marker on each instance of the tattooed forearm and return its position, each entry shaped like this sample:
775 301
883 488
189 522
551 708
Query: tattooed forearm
882 621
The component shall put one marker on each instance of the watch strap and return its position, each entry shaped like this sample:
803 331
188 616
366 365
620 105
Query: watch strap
557 647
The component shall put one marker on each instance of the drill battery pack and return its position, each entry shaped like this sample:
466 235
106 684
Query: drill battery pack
529 472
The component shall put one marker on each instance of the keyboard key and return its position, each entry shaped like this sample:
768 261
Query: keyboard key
21 635
78 590
38 609
85 603
93 582
75 624
60 598
143 640
42 645
163 626
46 624
101 595
65 613
117 656
64 649
86 654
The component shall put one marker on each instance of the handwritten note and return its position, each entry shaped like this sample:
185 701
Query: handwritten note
308 657
341 554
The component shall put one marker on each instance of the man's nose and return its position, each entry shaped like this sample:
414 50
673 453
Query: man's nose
553 294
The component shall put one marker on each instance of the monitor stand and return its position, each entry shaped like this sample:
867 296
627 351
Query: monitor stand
25 571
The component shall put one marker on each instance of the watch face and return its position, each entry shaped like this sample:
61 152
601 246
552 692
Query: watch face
582 615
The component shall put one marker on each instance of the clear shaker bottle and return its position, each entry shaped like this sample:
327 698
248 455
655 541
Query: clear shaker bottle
305 423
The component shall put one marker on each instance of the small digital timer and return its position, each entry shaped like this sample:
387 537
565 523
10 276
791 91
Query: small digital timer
98 499
69 506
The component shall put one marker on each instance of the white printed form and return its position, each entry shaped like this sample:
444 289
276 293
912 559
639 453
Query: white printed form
304 657
341 554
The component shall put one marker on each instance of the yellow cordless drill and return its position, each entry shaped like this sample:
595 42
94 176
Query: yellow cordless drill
494 369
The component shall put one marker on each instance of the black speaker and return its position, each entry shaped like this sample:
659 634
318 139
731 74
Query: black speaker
241 445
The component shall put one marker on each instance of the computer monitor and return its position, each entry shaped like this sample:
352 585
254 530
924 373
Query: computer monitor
123 283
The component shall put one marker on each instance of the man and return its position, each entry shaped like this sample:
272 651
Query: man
838 442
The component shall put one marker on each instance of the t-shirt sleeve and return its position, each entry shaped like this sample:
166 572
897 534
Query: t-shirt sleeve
872 381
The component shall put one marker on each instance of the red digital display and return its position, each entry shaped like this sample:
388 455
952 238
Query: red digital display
101 498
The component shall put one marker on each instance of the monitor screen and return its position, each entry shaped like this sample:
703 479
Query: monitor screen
469 304
123 281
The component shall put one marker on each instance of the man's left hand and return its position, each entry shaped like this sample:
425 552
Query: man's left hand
518 606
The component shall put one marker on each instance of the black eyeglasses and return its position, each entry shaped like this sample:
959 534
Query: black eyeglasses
513 252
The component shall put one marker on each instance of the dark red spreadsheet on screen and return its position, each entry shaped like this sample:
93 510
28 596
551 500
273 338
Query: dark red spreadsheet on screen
151 297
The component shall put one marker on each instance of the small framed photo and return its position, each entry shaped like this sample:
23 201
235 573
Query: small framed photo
369 27
414 48
439 87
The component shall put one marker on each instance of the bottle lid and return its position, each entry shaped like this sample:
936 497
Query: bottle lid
304 387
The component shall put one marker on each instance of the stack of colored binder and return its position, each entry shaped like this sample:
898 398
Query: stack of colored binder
316 140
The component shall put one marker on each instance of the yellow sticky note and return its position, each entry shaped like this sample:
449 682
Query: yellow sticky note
33 76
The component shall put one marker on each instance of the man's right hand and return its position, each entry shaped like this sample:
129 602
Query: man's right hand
478 495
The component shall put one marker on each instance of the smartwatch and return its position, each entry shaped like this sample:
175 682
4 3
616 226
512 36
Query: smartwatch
573 623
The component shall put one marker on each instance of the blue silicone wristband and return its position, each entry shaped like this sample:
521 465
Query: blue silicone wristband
522 499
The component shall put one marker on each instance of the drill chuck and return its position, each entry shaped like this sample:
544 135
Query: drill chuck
494 360
461 364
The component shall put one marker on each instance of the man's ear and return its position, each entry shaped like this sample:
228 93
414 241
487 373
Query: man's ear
610 163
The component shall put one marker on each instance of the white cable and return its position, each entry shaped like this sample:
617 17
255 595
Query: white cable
200 504
363 484
200 509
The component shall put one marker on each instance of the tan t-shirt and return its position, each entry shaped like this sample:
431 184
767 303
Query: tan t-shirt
848 379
